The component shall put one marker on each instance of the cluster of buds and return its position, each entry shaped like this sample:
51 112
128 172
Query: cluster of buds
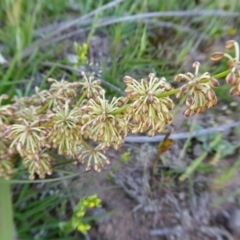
233 78
95 157
101 123
7 159
200 94
148 111
7 156
28 139
59 119
63 129
91 86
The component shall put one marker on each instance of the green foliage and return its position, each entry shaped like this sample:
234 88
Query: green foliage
77 220
81 51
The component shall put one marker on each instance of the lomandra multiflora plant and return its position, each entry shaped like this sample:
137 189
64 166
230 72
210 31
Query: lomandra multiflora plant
67 115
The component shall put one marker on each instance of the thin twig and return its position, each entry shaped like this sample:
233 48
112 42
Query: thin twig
51 64
184 135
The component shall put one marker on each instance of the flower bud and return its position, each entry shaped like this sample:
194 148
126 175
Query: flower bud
179 94
129 110
128 80
97 82
209 104
103 117
159 126
151 133
213 82
178 78
128 90
167 86
210 95
189 101
184 88
150 98
144 81
170 105
217 56
148 122
168 117
51 80
151 75
231 78
188 112
136 119
83 128
229 44
144 108
136 104
196 64
199 109
231 63
158 107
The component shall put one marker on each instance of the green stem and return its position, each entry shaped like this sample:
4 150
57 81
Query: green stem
81 99
6 212
86 145
121 109
174 91
43 108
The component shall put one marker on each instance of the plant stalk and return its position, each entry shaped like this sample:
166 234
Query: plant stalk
6 212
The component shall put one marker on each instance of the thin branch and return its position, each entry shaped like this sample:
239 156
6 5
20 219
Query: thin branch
51 64
184 135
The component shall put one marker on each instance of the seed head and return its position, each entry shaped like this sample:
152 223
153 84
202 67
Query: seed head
198 89
147 109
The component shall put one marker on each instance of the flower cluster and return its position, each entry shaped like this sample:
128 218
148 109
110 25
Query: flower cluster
63 129
148 111
64 117
91 86
198 89
95 157
7 158
101 123
233 78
